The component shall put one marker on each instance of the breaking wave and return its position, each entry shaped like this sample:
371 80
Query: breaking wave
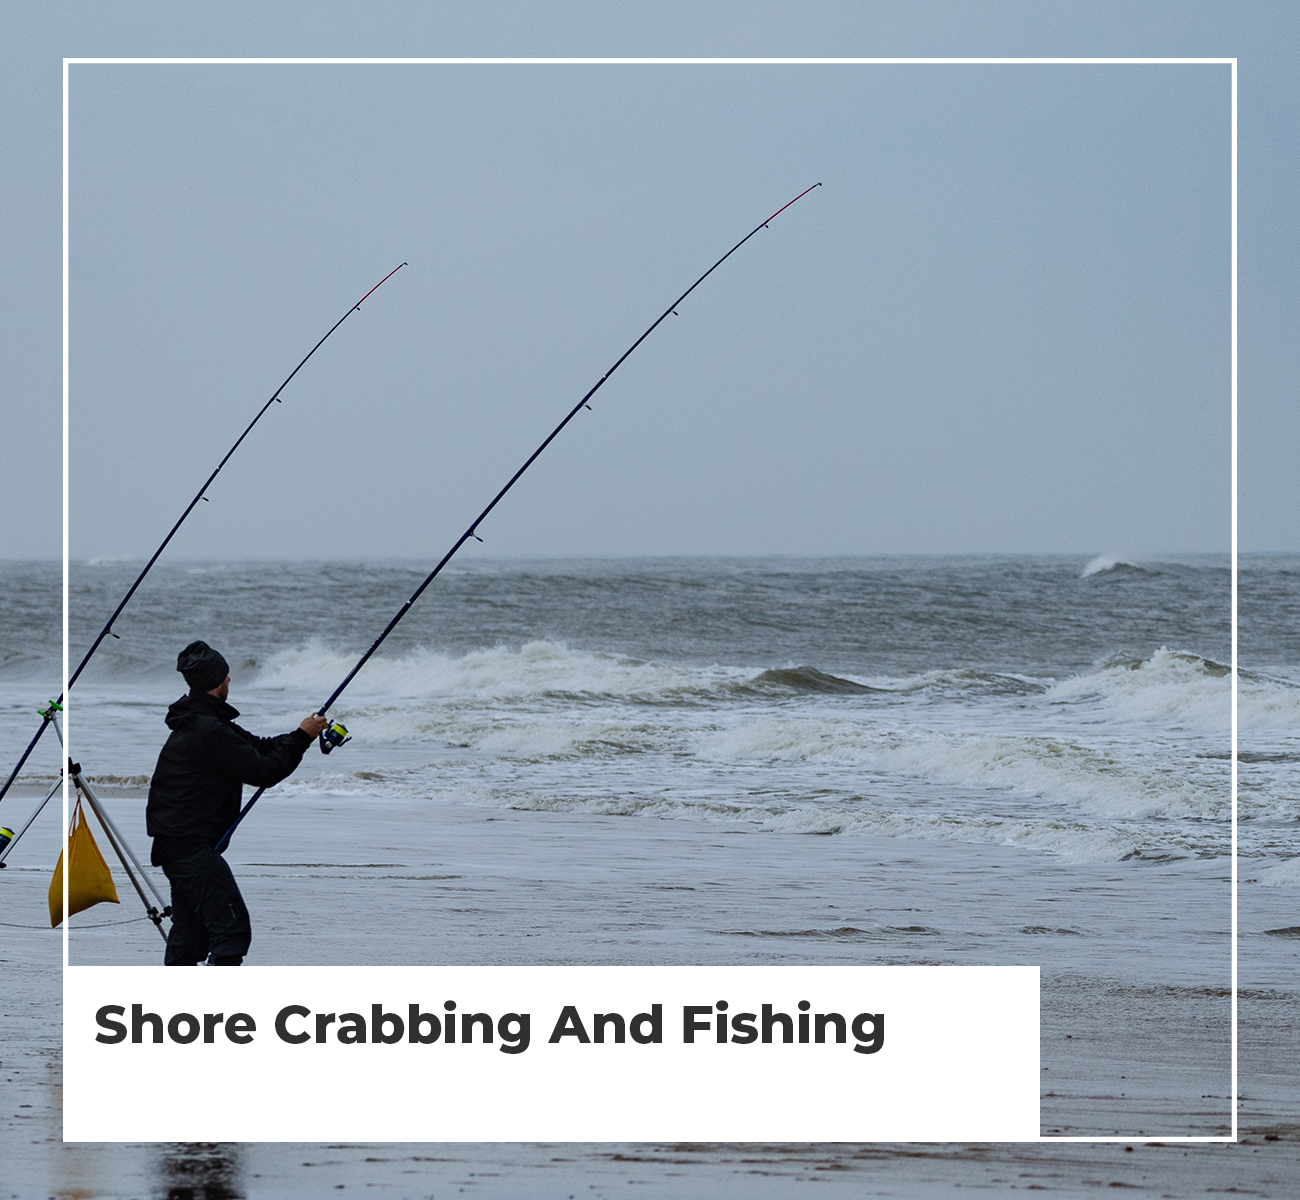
544 669
806 679
1178 691
1175 690
1104 563
536 670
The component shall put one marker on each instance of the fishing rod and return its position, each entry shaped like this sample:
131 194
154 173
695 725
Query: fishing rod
117 612
335 734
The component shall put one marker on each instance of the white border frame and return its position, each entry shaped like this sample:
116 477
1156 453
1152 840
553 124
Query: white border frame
1233 63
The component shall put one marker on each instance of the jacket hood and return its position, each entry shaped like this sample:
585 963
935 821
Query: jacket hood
189 708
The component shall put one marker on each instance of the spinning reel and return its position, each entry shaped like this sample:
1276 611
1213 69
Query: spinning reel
332 736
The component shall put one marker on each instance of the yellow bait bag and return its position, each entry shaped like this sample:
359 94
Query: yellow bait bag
89 879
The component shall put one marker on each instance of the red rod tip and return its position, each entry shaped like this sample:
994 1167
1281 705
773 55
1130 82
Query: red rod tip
800 196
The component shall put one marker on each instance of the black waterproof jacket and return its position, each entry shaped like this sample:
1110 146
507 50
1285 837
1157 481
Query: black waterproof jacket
195 793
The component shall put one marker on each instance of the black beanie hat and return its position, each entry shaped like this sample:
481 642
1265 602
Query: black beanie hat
202 667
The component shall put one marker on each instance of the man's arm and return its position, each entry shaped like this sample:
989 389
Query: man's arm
311 726
261 762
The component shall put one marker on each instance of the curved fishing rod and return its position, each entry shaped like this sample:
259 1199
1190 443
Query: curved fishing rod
47 714
471 531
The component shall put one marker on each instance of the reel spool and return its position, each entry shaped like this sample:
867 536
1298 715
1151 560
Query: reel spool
332 736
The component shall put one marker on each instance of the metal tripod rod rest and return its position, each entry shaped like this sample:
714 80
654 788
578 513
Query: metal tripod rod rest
118 842
13 841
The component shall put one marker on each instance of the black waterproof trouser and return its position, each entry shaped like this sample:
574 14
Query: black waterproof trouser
208 913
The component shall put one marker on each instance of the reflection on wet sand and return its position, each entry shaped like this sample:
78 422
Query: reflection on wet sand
199 1171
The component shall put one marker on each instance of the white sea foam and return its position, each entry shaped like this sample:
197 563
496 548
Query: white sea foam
1075 841
560 738
1178 690
501 673
1087 778
1284 874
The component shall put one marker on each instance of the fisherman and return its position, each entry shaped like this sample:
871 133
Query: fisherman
194 798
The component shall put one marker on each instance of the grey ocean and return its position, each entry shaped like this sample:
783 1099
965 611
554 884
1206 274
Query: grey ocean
1078 708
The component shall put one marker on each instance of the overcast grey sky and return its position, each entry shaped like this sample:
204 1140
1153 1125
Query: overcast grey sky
1001 325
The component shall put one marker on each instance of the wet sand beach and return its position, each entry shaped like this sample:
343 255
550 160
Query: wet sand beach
1133 1042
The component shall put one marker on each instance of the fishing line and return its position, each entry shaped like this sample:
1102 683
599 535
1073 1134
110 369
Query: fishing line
335 734
199 495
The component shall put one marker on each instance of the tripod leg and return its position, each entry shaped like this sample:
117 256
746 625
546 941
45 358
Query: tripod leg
28 824
117 841
116 834
123 853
